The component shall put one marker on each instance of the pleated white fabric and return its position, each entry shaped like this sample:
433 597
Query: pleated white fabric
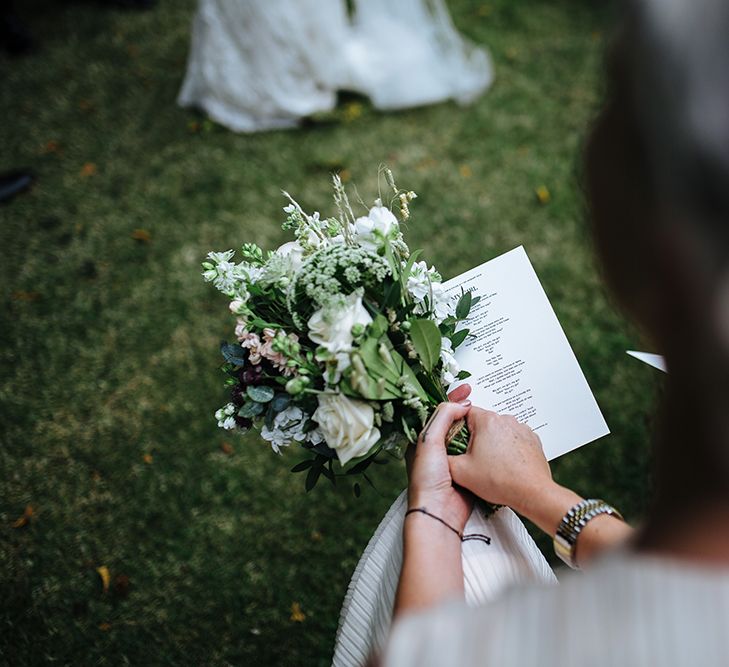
488 569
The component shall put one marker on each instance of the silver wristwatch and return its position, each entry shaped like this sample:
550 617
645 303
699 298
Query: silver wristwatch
565 539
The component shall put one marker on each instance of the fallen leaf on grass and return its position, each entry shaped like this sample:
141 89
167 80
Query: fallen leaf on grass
105 576
24 518
89 169
543 195
147 458
105 627
22 295
315 536
465 171
51 146
141 235
297 616
227 448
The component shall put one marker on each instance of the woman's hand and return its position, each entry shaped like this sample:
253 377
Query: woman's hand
432 570
431 485
504 464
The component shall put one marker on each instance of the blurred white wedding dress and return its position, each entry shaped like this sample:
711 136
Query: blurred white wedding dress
512 558
264 64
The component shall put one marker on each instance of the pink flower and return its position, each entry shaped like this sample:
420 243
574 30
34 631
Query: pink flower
253 344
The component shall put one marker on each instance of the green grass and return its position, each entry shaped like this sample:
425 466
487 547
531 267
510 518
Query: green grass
109 344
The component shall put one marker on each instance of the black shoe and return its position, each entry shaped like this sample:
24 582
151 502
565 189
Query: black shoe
13 183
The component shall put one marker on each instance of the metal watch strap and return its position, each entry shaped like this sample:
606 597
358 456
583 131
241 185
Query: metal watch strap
565 539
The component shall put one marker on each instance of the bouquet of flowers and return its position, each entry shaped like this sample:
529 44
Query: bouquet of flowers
344 340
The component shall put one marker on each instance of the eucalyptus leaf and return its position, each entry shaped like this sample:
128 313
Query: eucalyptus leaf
233 354
260 394
426 338
280 402
251 409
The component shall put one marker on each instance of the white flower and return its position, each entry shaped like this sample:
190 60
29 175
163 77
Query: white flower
376 228
315 437
450 366
225 416
237 306
294 252
347 425
420 279
444 305
331 327
288 426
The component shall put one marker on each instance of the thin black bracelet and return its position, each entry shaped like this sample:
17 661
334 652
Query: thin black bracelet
464 538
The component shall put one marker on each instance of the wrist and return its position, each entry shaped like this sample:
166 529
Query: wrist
546 505
439 507
424 527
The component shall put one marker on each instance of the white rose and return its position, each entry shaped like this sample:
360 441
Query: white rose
331 328
377 227
347 425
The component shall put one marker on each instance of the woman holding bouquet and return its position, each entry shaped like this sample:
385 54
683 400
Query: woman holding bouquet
658 176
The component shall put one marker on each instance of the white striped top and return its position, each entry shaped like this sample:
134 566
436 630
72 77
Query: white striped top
626 610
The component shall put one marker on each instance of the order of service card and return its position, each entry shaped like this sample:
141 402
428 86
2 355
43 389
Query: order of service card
519 358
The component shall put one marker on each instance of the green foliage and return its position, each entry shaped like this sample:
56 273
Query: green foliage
108 342
426 341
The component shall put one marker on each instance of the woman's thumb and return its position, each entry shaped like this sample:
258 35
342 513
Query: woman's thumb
458 465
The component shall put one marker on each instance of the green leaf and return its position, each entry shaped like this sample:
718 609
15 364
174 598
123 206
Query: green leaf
312 477
409 266
394 264
357 490
458 337
233 354
392 294
426 340
251 409
433 386
463 375
304 465
464 305
281 402
329 474
260 394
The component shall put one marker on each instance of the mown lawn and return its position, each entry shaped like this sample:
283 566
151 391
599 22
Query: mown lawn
109 337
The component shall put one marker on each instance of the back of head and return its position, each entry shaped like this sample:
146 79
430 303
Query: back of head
658 178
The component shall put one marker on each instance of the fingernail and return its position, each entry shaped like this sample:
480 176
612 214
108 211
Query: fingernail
465 402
